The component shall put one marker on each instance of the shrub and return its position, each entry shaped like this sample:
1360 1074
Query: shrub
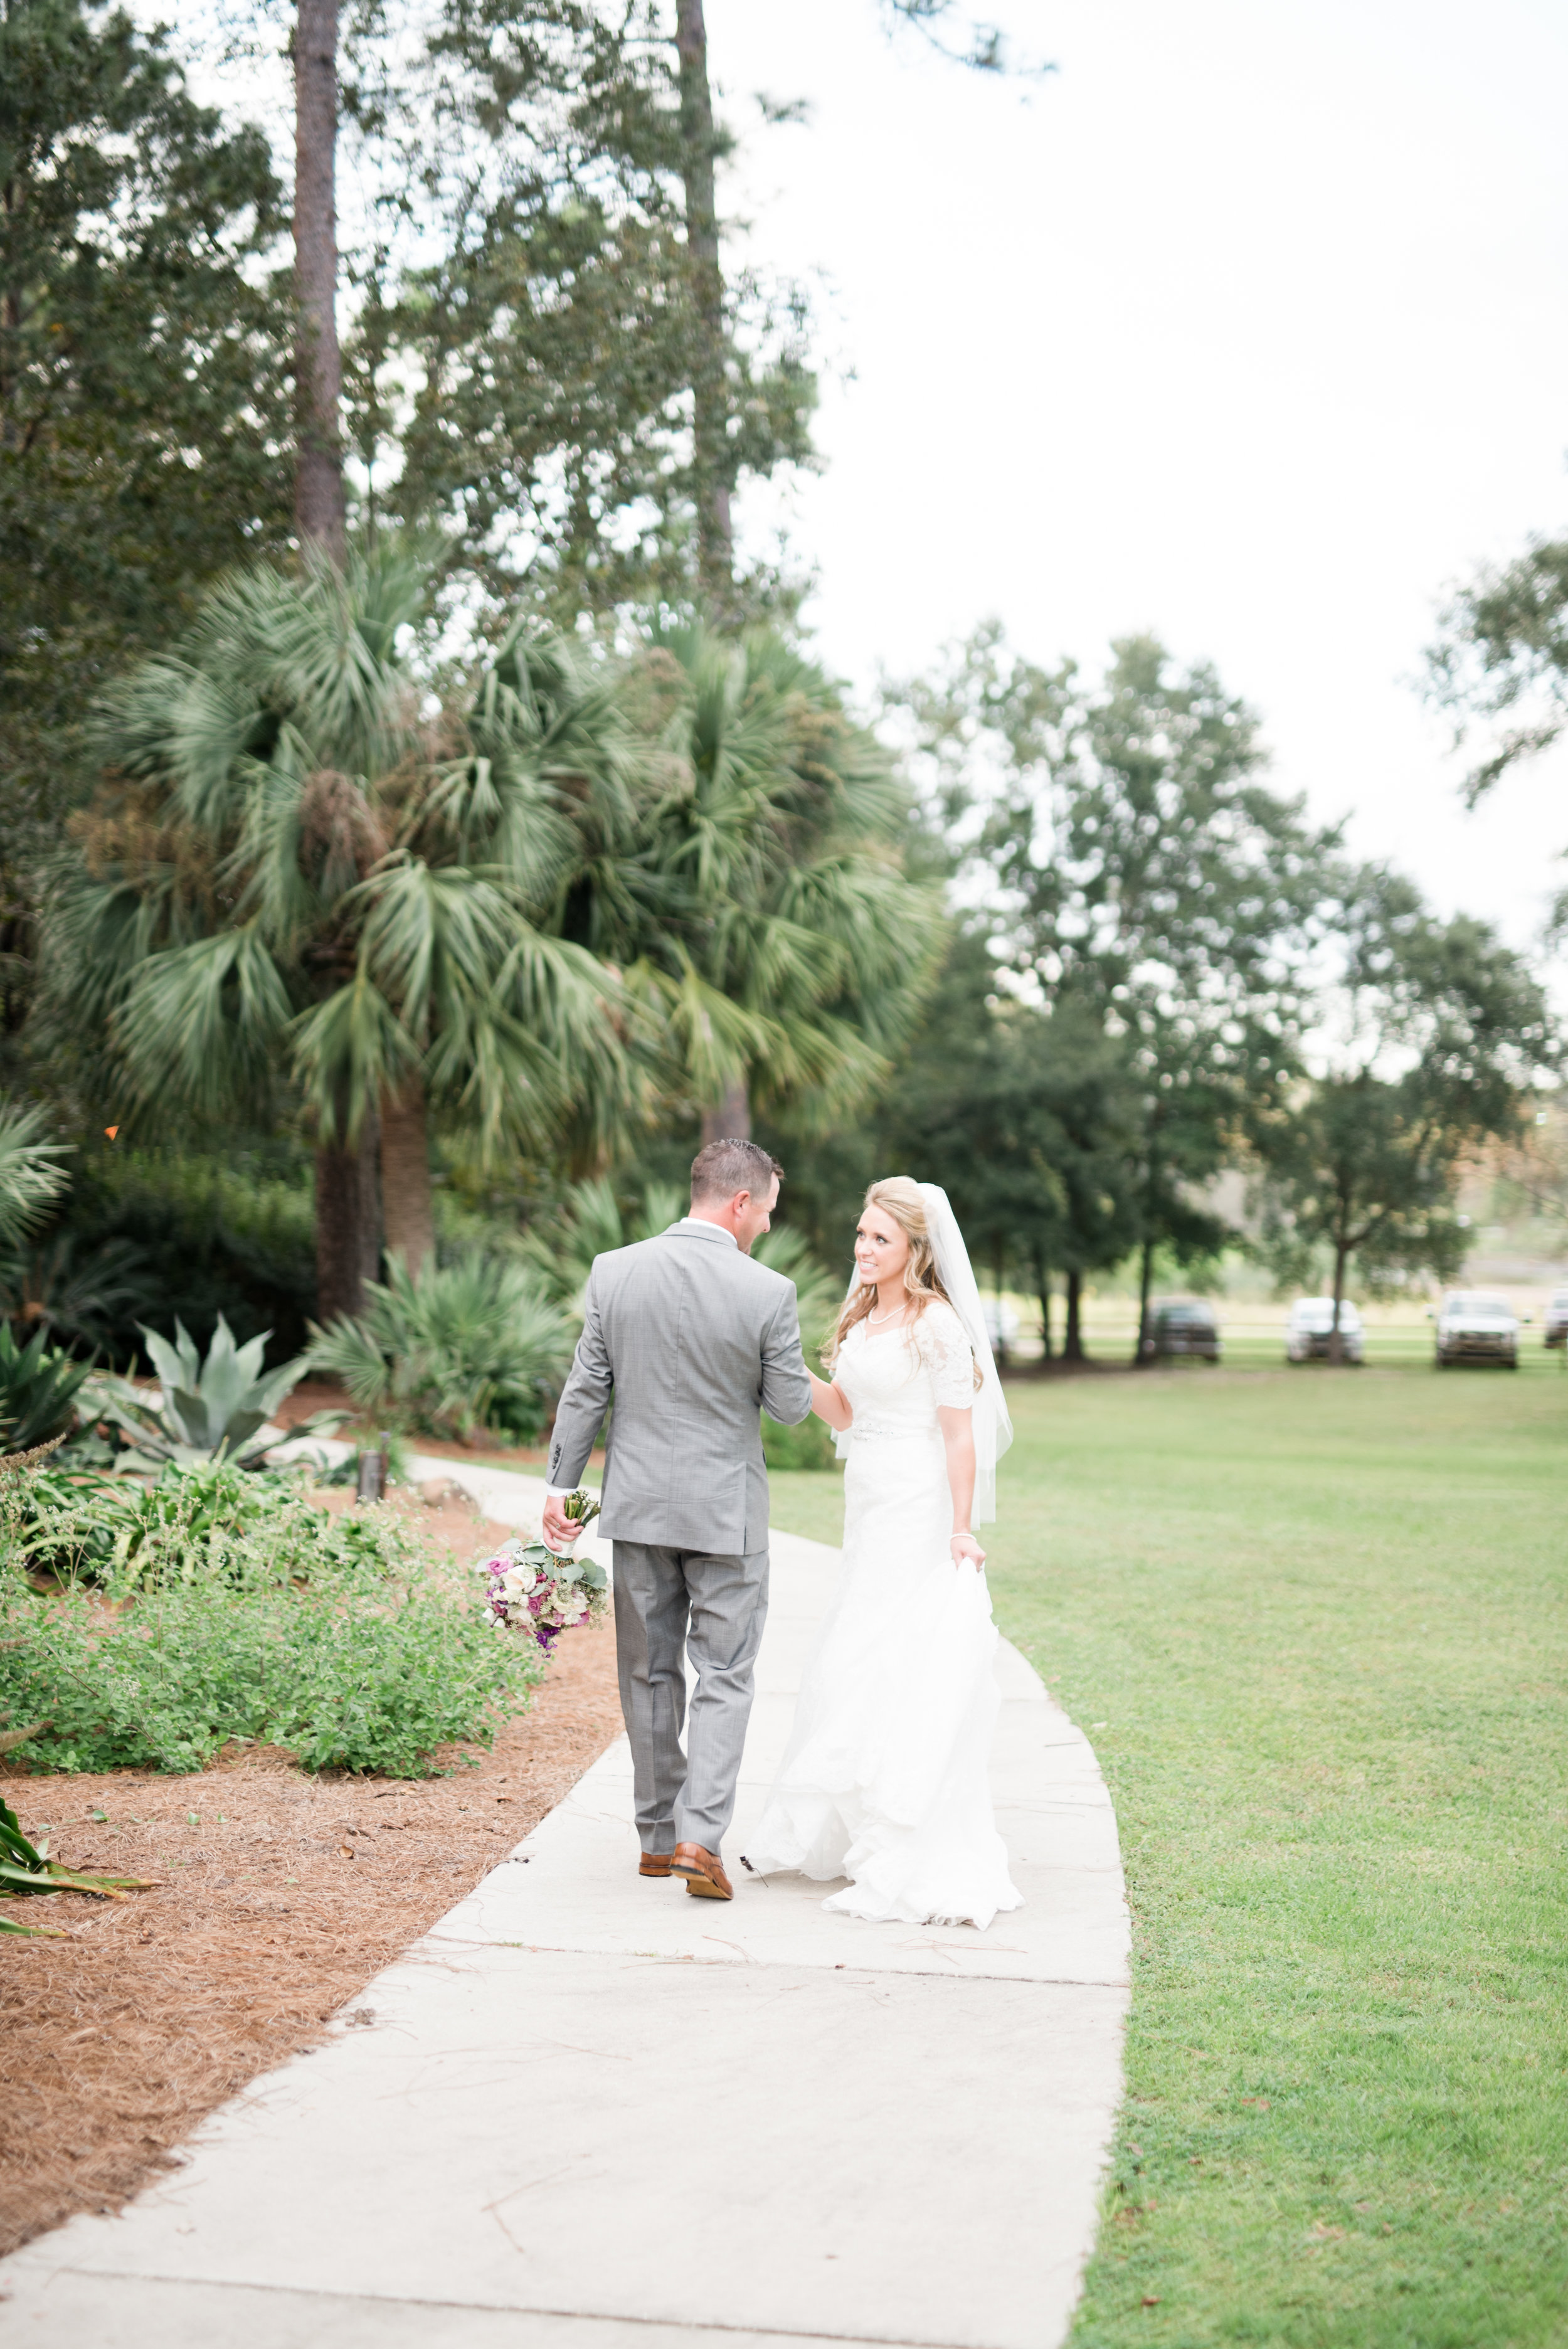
79 1291
211 1523
462 1347
197 1235
276 1635
38 1391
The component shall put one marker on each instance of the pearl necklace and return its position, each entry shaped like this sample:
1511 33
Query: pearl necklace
894 1314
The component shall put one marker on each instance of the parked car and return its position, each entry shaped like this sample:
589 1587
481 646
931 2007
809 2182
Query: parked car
1556 1330
1474 1326
1182 1327
1311 1325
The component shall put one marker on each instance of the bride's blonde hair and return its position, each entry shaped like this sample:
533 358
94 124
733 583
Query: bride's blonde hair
897 1197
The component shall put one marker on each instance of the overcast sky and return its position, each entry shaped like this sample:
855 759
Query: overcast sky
1248 327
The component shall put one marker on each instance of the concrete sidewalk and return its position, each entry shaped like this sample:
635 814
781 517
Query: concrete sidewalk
587 2108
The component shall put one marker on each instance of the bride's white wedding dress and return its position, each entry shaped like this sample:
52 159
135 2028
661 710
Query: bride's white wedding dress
885 1777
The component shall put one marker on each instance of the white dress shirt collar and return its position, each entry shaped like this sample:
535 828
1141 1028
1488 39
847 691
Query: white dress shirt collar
701 1224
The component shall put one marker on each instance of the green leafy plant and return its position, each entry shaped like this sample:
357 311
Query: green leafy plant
344 1671
208 1409
463 1347
69 1287
39 1387
213 1523
31 1177
155 1232
27 1867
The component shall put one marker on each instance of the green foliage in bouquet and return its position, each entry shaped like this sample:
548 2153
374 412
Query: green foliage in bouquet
39 1387
531 1587
209 1409
458 1349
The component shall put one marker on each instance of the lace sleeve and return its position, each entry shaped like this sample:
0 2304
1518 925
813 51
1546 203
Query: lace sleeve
945 1353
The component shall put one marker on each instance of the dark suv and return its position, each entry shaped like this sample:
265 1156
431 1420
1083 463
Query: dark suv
1182 1328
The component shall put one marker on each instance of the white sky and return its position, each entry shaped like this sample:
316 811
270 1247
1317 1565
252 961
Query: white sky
1247 327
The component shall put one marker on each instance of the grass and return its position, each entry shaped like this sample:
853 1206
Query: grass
1321 1619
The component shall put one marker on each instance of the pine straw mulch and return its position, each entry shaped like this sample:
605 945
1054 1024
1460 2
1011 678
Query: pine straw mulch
279 1896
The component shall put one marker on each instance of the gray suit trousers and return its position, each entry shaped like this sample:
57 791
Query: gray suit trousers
668 1601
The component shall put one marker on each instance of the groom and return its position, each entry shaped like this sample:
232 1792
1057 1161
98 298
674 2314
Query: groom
692 1340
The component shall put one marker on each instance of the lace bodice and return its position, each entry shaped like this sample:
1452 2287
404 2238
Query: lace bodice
896 1379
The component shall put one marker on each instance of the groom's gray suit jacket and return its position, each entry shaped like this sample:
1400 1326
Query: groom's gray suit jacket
693 1340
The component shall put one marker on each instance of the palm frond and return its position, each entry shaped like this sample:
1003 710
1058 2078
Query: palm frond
206 1020
349 1049
31 1174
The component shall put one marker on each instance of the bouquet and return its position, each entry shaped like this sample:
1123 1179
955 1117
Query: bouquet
530 1587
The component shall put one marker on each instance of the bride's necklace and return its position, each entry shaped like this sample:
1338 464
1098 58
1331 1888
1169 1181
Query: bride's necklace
893 1313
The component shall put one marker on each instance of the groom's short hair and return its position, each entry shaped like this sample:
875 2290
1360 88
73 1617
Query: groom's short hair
721 1169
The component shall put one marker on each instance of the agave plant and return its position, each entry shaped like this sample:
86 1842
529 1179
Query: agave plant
460 1347
210 1410
38 1392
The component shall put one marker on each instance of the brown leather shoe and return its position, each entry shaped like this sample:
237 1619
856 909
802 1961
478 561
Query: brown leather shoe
654 1863
704 1872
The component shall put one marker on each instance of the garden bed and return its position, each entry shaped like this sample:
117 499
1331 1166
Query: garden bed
278 1897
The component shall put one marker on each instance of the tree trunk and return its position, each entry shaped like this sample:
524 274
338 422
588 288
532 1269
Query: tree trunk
347 1226
408 1215
709 388
1043 1288
729 1119
1336 1335
318 466
1072 1342
1145 1283
998 1276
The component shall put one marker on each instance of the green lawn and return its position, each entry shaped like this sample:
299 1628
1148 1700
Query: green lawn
1317 1621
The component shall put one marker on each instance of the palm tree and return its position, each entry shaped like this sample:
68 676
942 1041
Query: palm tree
765 918
306 870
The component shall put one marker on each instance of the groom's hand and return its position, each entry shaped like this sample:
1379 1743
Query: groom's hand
560 1533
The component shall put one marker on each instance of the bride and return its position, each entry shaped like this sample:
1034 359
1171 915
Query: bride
884 1780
